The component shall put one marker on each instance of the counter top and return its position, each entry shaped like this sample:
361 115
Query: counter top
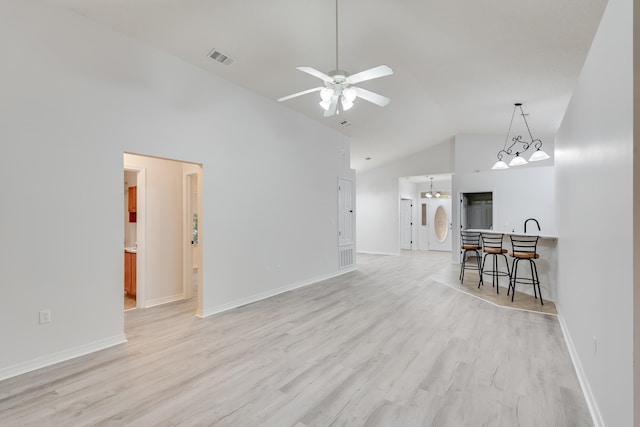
515 233
131 250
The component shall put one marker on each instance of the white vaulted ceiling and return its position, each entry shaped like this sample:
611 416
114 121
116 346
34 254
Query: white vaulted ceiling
459 65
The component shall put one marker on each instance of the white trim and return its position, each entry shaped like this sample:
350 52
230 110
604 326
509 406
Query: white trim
378 253
165 300
273 292
596 416
187 250
61 356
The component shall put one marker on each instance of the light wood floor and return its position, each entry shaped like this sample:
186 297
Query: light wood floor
129 302
521 301
383 346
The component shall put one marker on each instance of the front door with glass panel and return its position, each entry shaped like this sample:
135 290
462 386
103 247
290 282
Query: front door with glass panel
439 224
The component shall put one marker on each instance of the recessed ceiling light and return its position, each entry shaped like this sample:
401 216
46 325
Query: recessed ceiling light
345 123
367 158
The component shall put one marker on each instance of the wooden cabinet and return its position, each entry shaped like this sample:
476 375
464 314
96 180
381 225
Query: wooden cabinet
133 199
133 204
130 260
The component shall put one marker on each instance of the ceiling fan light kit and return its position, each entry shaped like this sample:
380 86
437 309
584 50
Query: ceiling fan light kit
339 92
538 155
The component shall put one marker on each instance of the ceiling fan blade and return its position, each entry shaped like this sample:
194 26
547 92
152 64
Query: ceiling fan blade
371 73
373 97
315 73
333 107
304 92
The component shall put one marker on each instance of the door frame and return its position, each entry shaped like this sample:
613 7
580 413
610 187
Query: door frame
190 170
187 253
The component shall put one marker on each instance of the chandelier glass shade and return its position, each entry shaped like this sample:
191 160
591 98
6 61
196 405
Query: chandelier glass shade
346 97
519 145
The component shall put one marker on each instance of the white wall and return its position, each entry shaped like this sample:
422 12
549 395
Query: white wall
594 155
378 197
81 95
519 193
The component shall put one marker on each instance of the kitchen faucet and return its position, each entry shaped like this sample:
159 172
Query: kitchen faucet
531 219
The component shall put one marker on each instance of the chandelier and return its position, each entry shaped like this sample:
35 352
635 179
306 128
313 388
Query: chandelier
429 194
519 145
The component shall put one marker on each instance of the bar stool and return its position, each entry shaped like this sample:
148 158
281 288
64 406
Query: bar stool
469 242
524 248
492 246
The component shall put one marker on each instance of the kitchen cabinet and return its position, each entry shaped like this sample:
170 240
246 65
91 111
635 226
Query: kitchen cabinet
133 199
130 260
133 204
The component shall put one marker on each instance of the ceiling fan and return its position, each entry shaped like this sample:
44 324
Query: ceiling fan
339 92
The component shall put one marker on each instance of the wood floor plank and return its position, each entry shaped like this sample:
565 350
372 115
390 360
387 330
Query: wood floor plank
392 344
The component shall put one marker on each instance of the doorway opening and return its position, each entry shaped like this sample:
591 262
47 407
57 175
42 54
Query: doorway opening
476 211
133 178
431 218
163 238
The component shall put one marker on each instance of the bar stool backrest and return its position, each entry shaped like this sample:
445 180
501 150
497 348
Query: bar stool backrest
469 239
492 241
524 245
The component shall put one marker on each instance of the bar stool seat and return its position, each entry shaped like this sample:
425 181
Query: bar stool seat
470 243
492 246
524 248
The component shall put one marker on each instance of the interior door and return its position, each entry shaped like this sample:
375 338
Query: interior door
439 220
346 215
406 224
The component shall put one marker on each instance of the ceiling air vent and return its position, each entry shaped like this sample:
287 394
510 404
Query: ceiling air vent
220 57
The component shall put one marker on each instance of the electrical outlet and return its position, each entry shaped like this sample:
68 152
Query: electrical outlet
595 345
45 316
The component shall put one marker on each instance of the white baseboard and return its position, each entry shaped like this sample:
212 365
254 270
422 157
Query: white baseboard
273 292
61 356
596 416
164 300
377 253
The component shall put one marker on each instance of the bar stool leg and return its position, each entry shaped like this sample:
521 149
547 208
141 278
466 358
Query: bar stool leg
515 276
496 278
484 262
534 274
512 276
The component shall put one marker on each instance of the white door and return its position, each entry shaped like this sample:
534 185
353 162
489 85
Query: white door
406 223
439 224
346 217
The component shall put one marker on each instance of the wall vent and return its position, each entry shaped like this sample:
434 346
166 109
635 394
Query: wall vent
346 258
220 57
